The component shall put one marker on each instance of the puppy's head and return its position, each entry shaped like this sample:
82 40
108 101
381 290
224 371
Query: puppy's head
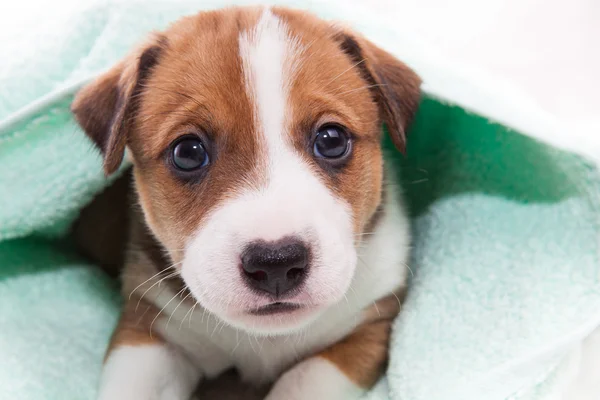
255 138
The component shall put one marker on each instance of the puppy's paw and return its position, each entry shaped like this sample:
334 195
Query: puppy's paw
150 372
315 379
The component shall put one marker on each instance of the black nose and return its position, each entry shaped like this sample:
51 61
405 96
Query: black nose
275 267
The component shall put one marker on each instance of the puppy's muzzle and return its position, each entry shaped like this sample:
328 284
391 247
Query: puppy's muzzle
277 267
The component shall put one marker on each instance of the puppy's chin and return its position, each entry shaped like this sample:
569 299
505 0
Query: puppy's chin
273 320
260 316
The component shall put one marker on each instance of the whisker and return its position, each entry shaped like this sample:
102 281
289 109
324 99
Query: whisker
405 265
298 68
237 340
412 274
152 277
202 318
360 88
345 71
191 315
139 321
172 313
186 314
154 284
216 327
162 309
397 298
250 342
377 308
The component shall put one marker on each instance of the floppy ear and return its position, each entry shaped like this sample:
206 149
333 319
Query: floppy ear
105 107
395 86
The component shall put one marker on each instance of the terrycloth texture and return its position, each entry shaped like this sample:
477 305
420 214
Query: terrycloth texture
56 314
505 265
506 259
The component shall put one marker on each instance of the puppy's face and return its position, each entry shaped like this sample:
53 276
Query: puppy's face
255 137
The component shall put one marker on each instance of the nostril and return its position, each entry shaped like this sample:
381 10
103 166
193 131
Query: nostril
295 273
257 276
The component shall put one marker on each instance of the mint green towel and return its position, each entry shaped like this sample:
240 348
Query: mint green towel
506 271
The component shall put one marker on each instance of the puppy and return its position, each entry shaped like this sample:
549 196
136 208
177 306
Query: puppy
266 238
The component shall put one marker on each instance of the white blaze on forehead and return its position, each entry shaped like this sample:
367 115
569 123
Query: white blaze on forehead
286 206
268 55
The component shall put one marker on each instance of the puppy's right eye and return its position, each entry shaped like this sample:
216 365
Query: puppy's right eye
189 154
331 142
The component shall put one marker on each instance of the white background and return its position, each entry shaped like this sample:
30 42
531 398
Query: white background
548 48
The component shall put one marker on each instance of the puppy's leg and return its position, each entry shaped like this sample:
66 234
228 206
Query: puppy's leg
347 369
140 366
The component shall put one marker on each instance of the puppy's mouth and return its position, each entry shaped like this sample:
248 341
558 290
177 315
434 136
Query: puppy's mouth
275 308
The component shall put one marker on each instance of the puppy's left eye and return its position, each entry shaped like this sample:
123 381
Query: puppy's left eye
331 142
189 154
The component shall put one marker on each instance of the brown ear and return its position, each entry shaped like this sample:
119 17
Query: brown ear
106 107
395 86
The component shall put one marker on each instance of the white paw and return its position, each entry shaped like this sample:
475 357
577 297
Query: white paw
314 379
151 372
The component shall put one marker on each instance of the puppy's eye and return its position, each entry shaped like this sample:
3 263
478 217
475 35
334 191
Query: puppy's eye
331 142
189 154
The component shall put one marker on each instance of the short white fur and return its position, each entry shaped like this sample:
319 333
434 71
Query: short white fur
315 378
154 371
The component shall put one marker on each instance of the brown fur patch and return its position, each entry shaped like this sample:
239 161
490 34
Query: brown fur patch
199 89
134 324
362 356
